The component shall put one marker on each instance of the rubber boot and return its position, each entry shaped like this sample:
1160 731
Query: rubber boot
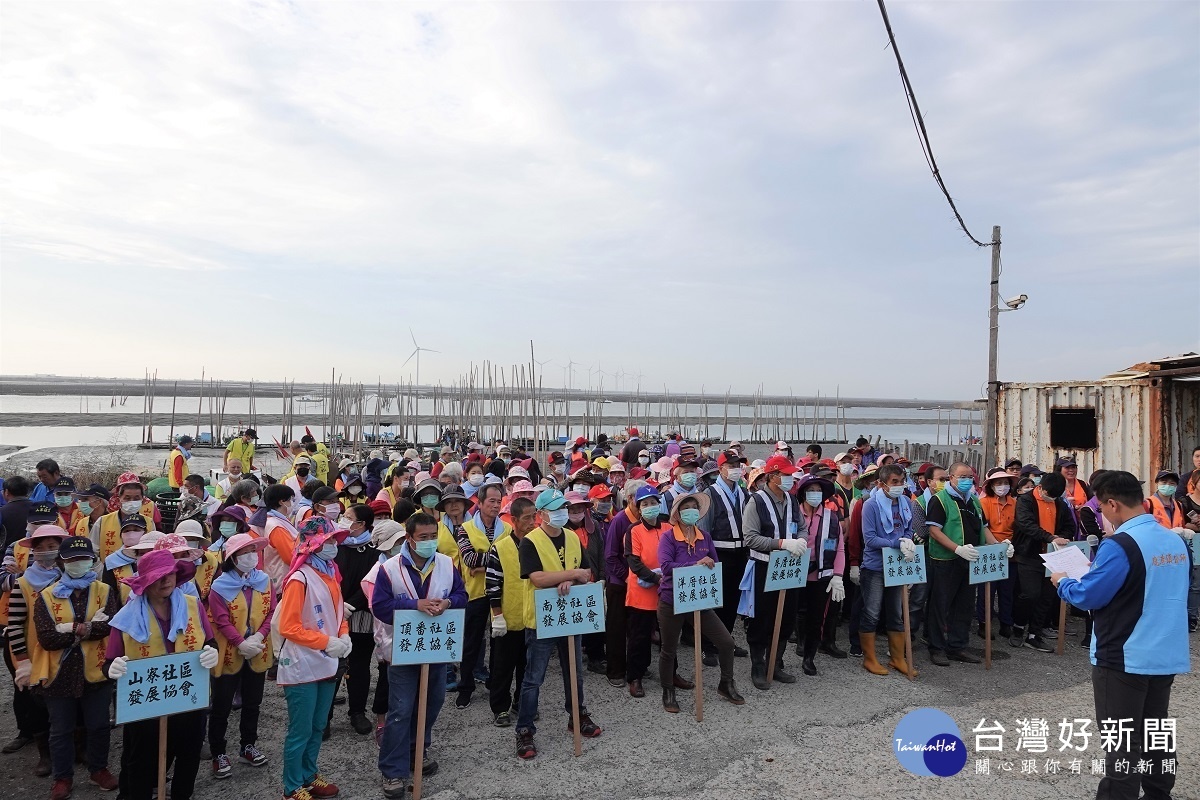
43 763
670 705
870 662
781 674
896 658
810 651
758 669
727 690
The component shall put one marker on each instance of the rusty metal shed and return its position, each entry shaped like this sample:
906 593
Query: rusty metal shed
1141 419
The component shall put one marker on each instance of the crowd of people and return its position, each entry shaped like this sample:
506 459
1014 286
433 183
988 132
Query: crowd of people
295 580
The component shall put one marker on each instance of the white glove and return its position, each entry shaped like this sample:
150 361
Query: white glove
65 627
257 638
967 551
100 616
836 589
908 550
118 667
499 626
1011 551
854 575
208 657
345 639
21 678
347 610
249 648
1093 540
796 547
337 648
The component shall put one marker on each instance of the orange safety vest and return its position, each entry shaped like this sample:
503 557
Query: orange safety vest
1079 496
644 543
1159 510
45 668
1000 516
1047 514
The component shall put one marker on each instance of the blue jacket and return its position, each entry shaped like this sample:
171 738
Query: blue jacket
1137 590
875 538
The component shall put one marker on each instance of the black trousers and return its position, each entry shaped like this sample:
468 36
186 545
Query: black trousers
951 604
761 626
820 614
139 756
380 704
1123 695
29 709
358 672
639 625
223 688
478 617
614 629
1035 595
733 564
507 665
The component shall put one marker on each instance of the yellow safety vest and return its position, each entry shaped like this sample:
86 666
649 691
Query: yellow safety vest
245 617
512 593
33 648
190 640
550 563
21 554
110 530
448 546
477 584
206 572
172 459
45 669
71 520
242 452
123 573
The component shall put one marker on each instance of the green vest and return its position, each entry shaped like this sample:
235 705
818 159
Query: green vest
953 527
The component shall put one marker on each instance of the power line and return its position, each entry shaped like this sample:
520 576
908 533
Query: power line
919 123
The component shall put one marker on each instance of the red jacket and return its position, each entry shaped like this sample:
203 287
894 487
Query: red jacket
854 537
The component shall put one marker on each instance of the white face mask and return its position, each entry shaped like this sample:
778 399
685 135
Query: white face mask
786 482
643 460
131 507
734 474
246 561
130 538
895 492
475 480
79 567
846 469
1001 489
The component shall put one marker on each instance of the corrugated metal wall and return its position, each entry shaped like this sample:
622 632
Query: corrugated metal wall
1124 423
1182 411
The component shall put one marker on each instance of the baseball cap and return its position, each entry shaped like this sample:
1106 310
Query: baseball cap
779 464
841 457
253 434
599 492
1012 462
556 457
1166 473
550 501
76 547
600 462
579 440
132 521
633 432
302 461
345 462
729 457
42 512
95 490
64 484
1031 469
780 446
645 493
1066 461
576 499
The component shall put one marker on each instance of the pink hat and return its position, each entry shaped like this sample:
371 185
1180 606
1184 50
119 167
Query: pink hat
127 479
576 499
240 541
155 565
44 532
177 545
521 487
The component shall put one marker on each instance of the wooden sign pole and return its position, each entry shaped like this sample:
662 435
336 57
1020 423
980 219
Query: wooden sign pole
987 626
780 599
908 648
162 756
419 757
1062 626
574 695
699 666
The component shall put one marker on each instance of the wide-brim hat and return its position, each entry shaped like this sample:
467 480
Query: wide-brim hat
190 529
997 473
146 543
429 484
824 484
231 514
156 565
702 500
44 532
867 477
178 546
242 541
385 534
450 494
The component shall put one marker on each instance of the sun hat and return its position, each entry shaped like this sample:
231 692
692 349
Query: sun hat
178 546
449 494
45 532
702 499
385 534
824 484
155 566
190 529
146 543
241 541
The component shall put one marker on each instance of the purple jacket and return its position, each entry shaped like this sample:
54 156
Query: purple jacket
614 548
673 552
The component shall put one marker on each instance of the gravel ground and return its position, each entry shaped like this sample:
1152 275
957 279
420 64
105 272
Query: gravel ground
825 734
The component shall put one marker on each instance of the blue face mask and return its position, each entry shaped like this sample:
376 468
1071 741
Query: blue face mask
786 482
62 500
687 479
328 551
964 485
227 529
650 515
85 507
1037 480
425 549
559 517
689 516
814 499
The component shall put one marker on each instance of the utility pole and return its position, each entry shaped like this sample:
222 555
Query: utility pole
990 431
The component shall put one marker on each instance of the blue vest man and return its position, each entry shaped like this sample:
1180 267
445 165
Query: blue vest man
1137 592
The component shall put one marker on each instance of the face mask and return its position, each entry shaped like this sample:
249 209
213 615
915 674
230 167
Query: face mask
786 482
734 474
302 472
559 469
689 516
703 451
352 472
687 479
1037 480
475 480
85 507
46 558
429 500
964 485
130 538
845 469
234 478
426 549
228 529
814 499
650 514
395 551
131 507
62 500
246 561
355 490
1001 490
328 551
558 518
575 516
618 480
895 492
79 567
1167 489
253 501
643 460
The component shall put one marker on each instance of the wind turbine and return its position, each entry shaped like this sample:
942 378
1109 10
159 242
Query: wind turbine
417 350
542 366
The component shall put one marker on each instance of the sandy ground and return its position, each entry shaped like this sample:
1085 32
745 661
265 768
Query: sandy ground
147 463
823 735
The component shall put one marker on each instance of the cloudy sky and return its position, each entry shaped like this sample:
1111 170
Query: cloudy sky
704 193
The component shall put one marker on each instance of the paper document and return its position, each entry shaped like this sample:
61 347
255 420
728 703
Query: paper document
1069 560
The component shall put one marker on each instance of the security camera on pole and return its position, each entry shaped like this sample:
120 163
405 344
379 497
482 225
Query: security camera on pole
993 387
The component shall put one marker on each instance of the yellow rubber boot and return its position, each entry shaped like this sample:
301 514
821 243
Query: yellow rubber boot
896 652
870 662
